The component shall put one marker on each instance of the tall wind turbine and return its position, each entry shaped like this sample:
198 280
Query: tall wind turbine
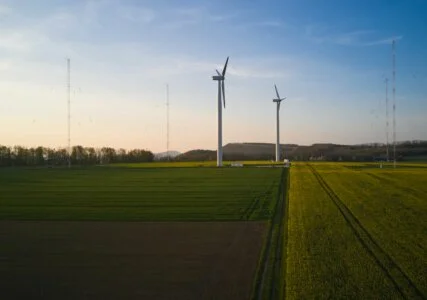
220 77
278 100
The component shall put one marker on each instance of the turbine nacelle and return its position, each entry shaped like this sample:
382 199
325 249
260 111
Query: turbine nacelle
220 77
278 99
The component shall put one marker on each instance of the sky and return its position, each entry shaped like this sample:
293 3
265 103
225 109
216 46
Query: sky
329 58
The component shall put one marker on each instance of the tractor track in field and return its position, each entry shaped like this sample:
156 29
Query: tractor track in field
275 244
403 284
250 209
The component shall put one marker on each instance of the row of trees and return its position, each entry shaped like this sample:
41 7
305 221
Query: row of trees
43 156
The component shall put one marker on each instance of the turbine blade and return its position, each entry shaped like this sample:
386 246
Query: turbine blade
282 99
277 93
223 92
219 74
225 67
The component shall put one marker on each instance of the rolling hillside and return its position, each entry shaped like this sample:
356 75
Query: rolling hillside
405 151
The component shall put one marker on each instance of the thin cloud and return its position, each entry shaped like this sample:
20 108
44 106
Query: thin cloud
359 38
177 24
247 72
224 17
5 10
266 24
179 66
271 24
20 40
194 15
94 12
136 14
384 41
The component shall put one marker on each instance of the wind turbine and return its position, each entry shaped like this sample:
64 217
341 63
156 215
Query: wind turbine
220 77
278 100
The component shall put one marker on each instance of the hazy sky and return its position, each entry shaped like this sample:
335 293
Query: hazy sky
328 57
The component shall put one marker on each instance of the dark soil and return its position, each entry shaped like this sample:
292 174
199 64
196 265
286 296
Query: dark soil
129 260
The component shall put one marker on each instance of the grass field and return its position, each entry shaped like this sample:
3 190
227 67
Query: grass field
357 231
143 194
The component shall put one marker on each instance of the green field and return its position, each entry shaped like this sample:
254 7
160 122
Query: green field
326 230
65 233
357 231
144 194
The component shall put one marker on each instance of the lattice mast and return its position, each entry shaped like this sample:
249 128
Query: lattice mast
167 121
393 46
387 120
69 112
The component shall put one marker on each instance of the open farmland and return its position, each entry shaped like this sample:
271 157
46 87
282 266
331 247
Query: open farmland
339 230
148 194
357 231
65 233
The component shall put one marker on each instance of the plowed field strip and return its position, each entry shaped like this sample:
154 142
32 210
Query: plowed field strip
129 260
400 280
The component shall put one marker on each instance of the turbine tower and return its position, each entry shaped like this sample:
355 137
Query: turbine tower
278 100
220 77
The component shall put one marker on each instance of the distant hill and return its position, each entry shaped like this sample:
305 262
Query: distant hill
197 155
162 155
248 151
410 150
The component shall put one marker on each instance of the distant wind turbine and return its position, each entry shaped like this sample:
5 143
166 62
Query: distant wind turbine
278 100
220 77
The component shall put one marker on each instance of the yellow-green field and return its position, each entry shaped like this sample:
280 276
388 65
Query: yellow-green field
357 231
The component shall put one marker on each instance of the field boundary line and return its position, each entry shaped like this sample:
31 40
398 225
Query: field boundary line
403 284
269 273
284 239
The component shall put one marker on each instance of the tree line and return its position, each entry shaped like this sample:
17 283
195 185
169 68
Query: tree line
44 156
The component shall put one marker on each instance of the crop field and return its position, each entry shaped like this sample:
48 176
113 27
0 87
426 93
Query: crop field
148 194
357 231
138 232
316 230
